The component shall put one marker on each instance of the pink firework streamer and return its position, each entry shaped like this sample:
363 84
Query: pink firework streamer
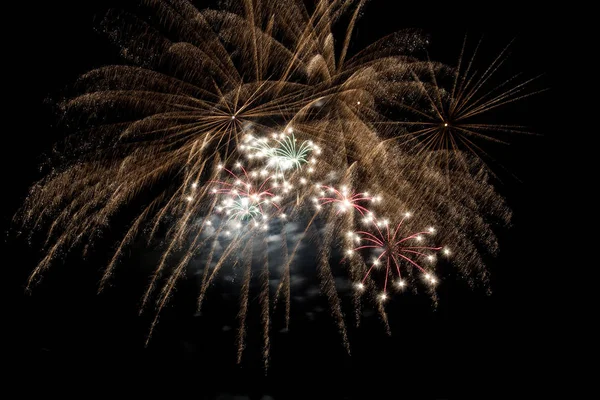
345 199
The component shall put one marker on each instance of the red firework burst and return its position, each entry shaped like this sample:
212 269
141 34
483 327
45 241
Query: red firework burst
393 248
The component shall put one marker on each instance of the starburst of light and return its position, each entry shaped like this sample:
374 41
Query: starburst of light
392 249
448 117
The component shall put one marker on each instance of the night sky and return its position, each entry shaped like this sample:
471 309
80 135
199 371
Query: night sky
67 339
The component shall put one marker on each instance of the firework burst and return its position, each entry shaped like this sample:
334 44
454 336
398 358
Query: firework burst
158 131
392 248
449 103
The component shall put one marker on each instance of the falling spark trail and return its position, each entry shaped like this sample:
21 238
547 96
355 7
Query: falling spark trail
285 283
205 273
243 312
235 243
264 302
328 288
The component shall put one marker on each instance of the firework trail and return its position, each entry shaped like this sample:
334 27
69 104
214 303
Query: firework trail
245 291
170 285
284 284
210 275
356 267
328 286
266 85
205 274
264 303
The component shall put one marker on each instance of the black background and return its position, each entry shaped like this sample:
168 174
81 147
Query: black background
66 339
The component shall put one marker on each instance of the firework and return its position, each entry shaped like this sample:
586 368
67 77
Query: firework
447 117
207 88
392 248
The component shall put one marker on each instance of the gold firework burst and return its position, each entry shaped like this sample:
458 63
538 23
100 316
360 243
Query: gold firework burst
448 110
